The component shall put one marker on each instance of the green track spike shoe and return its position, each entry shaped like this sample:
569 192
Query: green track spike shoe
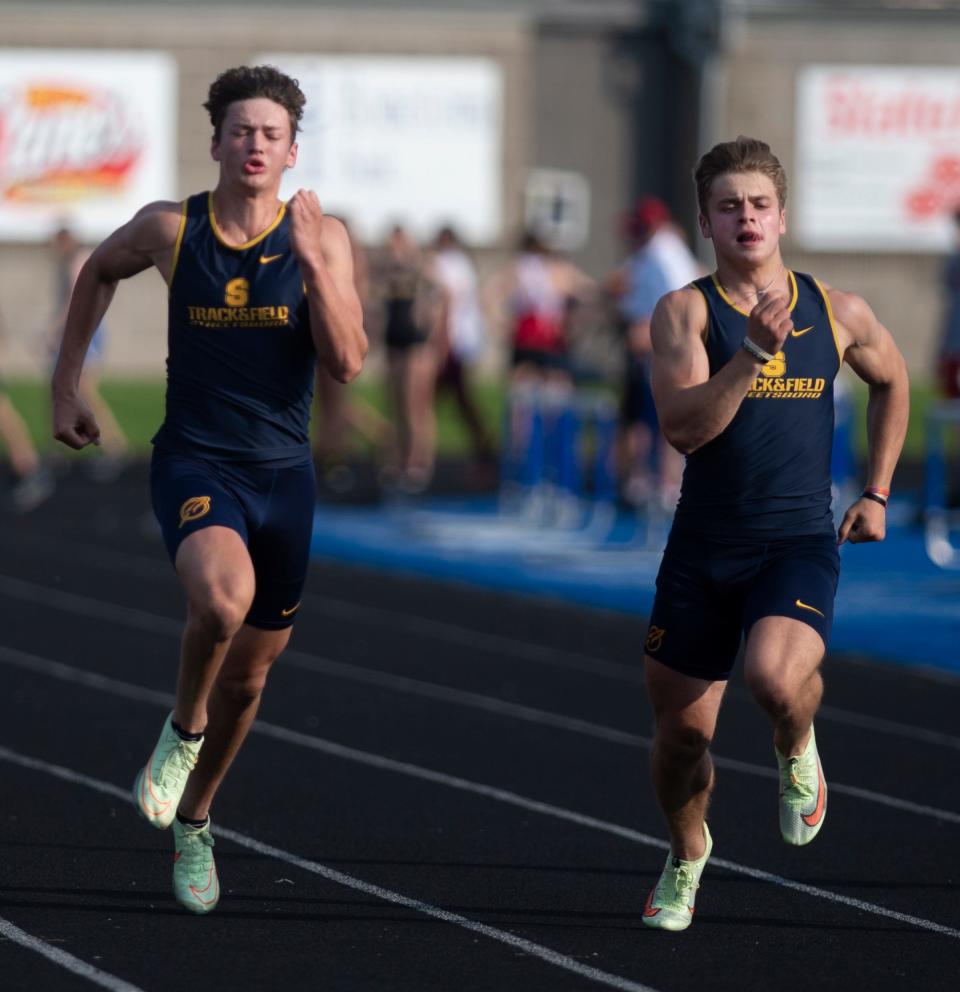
670 905
160 783
195 883
803 794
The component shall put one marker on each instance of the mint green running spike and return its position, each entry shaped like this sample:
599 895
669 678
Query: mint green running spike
670 904
803 794
195 883
160 783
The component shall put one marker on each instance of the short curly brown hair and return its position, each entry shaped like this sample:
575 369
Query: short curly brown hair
249 81
743 155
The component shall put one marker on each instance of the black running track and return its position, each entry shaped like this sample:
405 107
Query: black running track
447 789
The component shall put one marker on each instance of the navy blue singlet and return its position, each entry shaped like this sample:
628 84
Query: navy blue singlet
241 360
768 473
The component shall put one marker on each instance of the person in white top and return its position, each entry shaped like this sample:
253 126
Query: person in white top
536 293
462 336
660 263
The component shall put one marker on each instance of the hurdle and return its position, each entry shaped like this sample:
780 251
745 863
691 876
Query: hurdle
558 471
941 524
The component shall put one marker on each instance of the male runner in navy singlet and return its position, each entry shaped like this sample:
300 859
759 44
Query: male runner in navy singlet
258 291
743 369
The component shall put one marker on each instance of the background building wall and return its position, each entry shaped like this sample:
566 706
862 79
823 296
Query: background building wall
764 54
204 42
627 94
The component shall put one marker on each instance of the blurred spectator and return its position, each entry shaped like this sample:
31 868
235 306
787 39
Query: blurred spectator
340 411
538 291
660 262
32 482
69 257
948 356
411 318
461 336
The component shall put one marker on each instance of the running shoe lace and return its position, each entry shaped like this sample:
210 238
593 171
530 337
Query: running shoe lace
799 785
196 849
684 883
177 765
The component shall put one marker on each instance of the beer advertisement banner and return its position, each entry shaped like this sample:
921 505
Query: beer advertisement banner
86 138
877 165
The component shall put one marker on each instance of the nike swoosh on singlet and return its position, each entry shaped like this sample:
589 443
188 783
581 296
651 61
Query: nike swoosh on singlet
812 609
266 259
794 333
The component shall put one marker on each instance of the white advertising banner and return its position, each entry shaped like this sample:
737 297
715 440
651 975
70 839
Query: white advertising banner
401 139
878 158
86 138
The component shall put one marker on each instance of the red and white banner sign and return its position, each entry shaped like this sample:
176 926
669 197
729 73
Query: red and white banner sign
86 138
877 158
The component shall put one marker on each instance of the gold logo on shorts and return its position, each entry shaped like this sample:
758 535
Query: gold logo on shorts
290 612
194 508
655 639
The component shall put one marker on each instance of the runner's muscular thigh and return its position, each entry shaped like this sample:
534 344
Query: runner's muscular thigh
214 564
782 652
681 701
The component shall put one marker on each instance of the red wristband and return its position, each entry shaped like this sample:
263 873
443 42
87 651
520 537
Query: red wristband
878 490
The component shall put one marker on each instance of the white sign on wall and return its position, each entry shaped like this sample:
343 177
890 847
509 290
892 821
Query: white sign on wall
878 158
86 138
398 139
557 208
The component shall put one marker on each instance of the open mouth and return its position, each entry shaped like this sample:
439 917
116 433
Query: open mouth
748 238
253 167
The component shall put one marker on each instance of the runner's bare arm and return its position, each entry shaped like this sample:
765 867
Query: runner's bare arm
148 239
869 349
693 406
322 247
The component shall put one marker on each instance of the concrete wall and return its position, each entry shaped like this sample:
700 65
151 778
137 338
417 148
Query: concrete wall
612 101
757 80
204 42
586 88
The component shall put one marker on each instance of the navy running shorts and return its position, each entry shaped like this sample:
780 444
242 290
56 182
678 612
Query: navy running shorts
270 508
710 592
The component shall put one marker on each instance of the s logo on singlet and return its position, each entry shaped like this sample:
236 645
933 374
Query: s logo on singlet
654 639
237 293
777 367
194 508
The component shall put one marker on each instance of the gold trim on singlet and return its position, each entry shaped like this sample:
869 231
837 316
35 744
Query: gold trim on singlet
218 234
705 333
746 313
830 317
177 244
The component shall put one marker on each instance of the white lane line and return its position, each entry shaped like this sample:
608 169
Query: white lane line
65 960
349 881
384 763
145 567
149 568
162 625
891 727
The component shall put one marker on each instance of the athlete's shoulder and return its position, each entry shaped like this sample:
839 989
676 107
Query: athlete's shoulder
679 317
148 238
853 317
158 222
686 303
850 309
334 233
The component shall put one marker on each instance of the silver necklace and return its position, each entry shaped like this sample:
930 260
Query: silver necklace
757 293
